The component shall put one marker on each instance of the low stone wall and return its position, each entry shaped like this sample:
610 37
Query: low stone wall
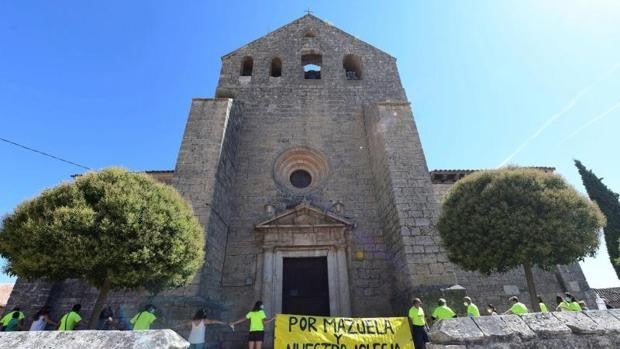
93 339
561 330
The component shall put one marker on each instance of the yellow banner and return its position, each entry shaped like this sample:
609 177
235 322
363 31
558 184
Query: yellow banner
317 332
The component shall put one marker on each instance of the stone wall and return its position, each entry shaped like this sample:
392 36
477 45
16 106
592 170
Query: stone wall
561 330
407 204
161 339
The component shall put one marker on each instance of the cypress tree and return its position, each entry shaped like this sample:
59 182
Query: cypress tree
608 202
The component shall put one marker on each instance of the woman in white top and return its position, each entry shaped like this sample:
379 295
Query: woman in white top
196 337
41 319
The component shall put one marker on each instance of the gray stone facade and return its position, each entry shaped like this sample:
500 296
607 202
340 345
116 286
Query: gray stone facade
561 330
369 208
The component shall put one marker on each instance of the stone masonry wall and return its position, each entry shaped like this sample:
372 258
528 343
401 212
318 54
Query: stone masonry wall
558 330
407 204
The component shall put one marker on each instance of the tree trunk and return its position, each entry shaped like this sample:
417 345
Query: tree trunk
531 287
101 298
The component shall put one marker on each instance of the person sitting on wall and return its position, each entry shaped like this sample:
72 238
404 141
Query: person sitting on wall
442 312
517 307
418 321
144 319
472 309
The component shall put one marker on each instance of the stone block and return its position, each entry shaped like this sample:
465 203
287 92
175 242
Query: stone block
578 322
93 339
546 325
495 328
516 324
457 330
605 320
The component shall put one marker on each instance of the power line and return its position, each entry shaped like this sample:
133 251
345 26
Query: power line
44 153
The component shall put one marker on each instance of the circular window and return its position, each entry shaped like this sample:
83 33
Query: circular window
300 169
300 179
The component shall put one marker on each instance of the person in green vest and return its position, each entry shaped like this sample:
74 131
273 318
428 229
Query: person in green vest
143 320
542 305
442 312
14 324
70 320
573 305
517 307
258 320
418 322
9 316
472 309
562 304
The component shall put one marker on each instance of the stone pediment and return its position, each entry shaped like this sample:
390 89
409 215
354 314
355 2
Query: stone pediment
305 215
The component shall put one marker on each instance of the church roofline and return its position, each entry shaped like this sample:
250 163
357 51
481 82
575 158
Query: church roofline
451 176
297 20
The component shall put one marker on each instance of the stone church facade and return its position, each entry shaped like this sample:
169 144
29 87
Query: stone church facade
308 175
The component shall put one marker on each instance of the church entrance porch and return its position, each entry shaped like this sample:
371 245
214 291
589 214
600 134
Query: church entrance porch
305 269
305 289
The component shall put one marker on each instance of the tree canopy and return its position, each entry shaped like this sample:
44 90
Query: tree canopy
608 202
114 229
498 220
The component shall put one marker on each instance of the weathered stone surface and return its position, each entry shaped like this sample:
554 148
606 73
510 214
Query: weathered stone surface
578 322
545 325
516 324
161 339
615 313
456 330
550 331
605 320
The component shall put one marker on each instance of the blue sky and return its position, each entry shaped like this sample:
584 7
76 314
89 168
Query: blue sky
491 82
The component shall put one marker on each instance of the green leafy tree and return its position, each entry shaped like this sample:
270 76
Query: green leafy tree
607 200
498 220
113 229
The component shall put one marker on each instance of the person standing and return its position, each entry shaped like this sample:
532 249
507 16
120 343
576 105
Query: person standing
70 320
106 319
144 319
418 322
14 323
196 337
491 309
517 307
9 316
442 312
258 319
472 309
122 318
41 319
542 305
562 304
573 305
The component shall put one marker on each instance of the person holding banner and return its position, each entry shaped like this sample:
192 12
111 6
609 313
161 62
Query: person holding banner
416 314
258 319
